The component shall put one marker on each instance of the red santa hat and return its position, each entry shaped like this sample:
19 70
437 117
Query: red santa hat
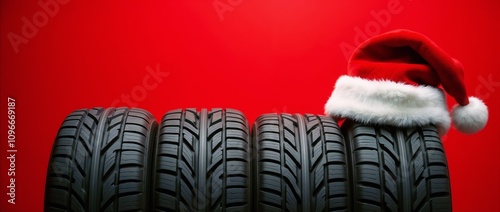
395 78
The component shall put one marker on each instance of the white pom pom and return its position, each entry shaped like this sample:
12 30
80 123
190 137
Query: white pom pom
470 118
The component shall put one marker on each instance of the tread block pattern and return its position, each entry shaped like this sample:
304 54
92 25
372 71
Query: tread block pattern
397 169
281 184
98 161
216 142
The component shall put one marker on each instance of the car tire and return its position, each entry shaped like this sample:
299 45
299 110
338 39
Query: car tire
202 162
301 164
99 161
397 169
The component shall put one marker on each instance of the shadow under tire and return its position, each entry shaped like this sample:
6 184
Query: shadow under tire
397 169
300 165
202 162
99 161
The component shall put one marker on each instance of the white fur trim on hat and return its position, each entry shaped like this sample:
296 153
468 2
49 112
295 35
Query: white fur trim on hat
388 103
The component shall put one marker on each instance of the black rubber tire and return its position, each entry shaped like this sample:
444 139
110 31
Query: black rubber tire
99 161
301 164
397 169
202 162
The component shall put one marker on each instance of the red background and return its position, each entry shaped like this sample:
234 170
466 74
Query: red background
264 56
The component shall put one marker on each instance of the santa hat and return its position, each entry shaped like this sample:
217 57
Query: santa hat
394 78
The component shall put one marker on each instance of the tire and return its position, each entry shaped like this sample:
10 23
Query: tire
397 169
98 161
202 162
301 164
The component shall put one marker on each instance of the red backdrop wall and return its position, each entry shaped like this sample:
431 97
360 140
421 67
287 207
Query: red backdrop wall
257 56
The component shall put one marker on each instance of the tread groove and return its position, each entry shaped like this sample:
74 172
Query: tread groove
304 150
95 191
202 193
